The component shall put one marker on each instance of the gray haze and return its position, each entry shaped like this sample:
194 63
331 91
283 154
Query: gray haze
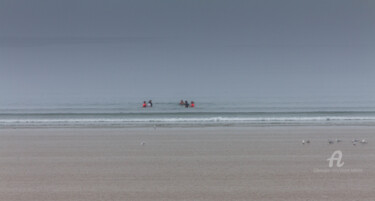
129 49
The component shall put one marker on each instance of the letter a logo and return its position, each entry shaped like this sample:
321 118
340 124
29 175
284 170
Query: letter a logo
336 156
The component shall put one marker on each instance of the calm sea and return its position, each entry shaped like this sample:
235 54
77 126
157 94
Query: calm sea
167 112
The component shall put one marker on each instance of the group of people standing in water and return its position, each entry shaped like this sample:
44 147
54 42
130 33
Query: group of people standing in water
182 103
186 103
149 104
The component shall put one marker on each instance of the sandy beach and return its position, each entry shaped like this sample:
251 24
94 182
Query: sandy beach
254 163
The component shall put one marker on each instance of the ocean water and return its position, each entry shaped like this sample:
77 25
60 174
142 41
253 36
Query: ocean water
165 112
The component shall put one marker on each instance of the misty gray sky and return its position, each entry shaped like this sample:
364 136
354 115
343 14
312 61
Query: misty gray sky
116 48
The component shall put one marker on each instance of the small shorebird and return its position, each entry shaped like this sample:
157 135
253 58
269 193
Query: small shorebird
363 141
330 141
143 143
338 140
305 141
355 140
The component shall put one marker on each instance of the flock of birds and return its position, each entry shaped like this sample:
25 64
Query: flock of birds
330 141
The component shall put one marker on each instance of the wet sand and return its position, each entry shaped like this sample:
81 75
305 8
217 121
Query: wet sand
255 163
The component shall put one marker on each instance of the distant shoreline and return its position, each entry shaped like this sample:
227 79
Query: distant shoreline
183 126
